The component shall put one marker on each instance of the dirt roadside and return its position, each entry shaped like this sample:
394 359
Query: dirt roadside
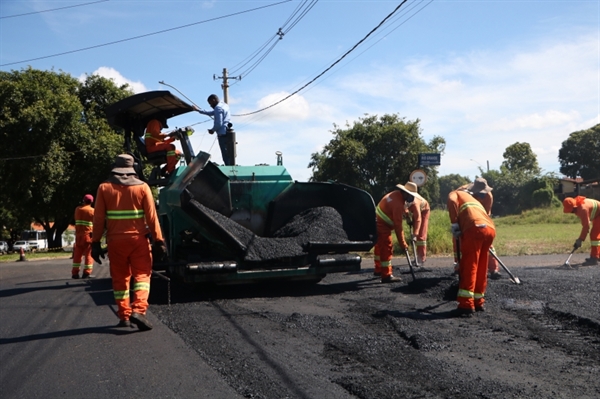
352 337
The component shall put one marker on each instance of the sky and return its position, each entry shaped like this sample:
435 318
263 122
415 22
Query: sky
481 74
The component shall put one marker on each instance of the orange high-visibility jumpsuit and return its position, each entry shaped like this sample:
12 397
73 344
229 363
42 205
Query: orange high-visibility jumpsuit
588 210
390 211
129 216
477 235
84 216
487 201
157 141
420 210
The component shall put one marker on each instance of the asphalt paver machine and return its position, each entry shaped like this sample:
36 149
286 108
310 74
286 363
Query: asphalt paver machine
238 224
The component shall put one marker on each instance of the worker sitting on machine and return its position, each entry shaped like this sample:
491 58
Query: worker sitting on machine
157 141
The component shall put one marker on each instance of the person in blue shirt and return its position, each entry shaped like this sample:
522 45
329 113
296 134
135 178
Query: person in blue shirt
220 114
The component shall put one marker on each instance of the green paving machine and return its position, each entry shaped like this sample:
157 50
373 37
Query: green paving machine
240 224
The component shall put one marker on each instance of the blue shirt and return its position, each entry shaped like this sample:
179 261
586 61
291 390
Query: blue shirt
221 116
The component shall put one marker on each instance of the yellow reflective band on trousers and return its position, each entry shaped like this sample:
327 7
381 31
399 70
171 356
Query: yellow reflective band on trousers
595 243
88 267
466 294
141 287
471 204
386 263
478 295
121 294
383 216
120 215
83 223
421 243
594 210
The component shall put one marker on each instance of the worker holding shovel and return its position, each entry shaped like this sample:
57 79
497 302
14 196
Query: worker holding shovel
587 210
472 224
419 209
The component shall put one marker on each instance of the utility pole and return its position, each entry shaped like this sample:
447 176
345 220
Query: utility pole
225 84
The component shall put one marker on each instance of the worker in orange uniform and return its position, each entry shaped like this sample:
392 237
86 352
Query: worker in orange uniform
419 209
471 222
483 194
157 141
125 208
84 217
390 212
587 210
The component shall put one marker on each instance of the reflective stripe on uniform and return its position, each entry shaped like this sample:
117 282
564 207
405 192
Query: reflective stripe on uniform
88 267
421 243
387 263
83 223
121 294
471 204
594 210
149 136
383 216
465 294
595 243
478 295
129 214
140 286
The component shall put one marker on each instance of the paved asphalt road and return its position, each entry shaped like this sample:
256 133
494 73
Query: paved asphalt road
57 340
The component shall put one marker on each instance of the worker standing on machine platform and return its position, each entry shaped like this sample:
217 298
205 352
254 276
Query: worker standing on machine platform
84 217
125 207
220 114
587 210
390 212
419 208
475 230
483 193
157 141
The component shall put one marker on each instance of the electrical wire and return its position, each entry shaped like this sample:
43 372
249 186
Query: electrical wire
53 9
331 66
300 12
147 34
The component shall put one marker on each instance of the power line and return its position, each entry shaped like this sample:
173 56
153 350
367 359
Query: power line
53 9
147 34
300 12
331 66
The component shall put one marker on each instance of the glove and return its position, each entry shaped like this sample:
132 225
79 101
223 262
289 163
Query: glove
414 238
159 251
455 229
97 252
577 244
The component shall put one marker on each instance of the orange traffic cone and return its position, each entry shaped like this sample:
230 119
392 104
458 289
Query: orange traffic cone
22 255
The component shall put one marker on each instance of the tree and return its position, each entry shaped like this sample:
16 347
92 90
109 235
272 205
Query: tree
578 156
375 154
57 145
520 157
450 183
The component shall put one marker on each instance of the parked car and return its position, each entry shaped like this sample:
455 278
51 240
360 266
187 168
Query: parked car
3 247
21 244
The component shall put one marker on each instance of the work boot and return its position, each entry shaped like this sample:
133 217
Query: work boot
463 312
140 321
390 279
495 275
590 262
124 323
376 273
87 276
75 276
480 308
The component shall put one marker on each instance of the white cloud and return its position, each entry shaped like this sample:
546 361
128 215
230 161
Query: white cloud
115 76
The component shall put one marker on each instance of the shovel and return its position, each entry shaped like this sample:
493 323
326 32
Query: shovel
566 264
512 277
414 247
412 272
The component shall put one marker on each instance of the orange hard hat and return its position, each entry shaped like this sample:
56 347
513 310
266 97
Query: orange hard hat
568 205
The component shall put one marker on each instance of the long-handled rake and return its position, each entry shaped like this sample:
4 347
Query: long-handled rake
512 277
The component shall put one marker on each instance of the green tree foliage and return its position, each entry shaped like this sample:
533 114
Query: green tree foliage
57 145
450 183
375 154
520 157
579 154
